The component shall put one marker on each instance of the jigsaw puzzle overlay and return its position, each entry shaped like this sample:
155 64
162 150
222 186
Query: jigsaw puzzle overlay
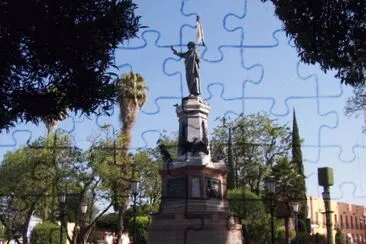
247 66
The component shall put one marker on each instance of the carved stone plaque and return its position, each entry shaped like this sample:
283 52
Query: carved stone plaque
176 188
213 188
196 186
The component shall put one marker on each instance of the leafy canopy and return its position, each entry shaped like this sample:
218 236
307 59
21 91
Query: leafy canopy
328 32
257 141
55 56
356 104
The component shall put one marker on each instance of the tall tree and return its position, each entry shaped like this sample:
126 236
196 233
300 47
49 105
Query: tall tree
257 141
59 55
40 169
288 189
328 32
132 96
147 169
356 104
46 167
297 160
250 208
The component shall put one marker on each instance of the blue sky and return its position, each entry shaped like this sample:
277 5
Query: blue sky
247 66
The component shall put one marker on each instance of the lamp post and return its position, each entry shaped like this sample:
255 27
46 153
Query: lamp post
84 209
295 208
231 178
325 179
326 199
150 216
270 186
134 190
61 201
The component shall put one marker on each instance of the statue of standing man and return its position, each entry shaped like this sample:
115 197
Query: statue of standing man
192 68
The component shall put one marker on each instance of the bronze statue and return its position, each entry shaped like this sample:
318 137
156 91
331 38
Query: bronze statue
192 68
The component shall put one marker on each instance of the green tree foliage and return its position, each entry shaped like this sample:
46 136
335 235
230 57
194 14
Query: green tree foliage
142 223
2 232
108 222
339 237
58 55
330 33
281 234
250 208
297 160
288 189
245 204
48 166
318 238
287 181
46 232
40 168
147 169
257 141
107 162
132 96
145 164
355 105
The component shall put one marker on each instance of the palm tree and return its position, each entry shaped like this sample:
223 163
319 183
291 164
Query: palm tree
132 96
50 125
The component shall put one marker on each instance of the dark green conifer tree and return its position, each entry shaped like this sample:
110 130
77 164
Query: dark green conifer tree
297 160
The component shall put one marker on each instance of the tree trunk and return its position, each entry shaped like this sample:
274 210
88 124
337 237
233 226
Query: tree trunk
120 225
45 210
75 235
287 230
24 235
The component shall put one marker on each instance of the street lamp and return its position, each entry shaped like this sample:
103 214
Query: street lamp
134 190
83 227
231 177
84 208
295 208
326 199
150 216
270 186
61 201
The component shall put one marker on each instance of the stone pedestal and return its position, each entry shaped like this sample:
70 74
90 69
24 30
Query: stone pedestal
193 131
194 209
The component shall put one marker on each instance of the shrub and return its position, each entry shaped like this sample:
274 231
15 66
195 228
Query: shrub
46 233
142 223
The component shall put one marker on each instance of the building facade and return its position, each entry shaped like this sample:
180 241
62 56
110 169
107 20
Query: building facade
349 218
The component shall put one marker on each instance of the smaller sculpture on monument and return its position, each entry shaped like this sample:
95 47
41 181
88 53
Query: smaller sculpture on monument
212 190
195 147
164 151
192 68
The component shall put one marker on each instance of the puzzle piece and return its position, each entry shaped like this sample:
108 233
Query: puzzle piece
139 58
247 66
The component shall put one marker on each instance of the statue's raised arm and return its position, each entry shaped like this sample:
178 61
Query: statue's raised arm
192 68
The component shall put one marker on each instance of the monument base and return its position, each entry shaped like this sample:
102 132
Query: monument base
194 229
194 208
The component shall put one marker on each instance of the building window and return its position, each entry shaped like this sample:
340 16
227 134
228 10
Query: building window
335 220
341 221
356 222
351 221
347 222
